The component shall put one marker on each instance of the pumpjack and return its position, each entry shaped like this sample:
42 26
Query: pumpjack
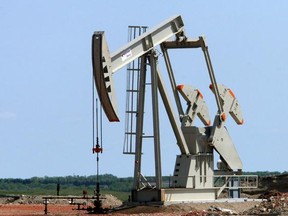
195 177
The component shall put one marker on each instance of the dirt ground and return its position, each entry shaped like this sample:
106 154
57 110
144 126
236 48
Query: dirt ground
273 191
179 209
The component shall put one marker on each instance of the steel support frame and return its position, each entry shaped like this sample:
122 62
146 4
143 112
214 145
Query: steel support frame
200 43
140 119
139 124
218 127
155 110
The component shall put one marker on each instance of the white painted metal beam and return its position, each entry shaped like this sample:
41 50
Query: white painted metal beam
105 65
145 42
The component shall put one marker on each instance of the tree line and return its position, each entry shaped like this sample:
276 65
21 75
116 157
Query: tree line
74 185
67 184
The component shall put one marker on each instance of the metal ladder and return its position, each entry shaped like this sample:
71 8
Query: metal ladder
132 94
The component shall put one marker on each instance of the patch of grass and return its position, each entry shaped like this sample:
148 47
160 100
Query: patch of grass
123 196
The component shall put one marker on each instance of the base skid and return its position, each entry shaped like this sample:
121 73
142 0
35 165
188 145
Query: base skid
148 195
189 194
173 195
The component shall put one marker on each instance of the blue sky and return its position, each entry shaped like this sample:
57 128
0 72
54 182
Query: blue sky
45 81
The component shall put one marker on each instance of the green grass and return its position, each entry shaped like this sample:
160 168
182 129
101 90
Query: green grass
123 196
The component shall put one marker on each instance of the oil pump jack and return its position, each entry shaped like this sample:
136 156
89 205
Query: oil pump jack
194 175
